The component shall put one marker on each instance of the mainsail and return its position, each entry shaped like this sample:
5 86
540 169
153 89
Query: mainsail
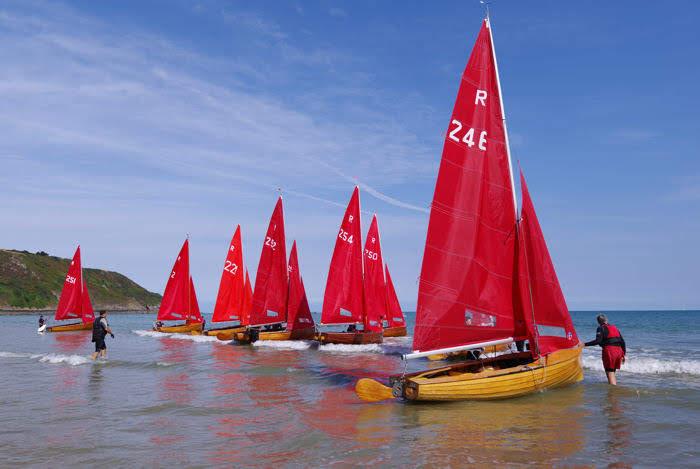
466 284
394 315
298 311
270 293
545 309
179 298
229 300
74 302
342 301
374 283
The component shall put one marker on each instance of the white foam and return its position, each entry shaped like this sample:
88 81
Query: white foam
160 335
284 344
52 358
648 365
345 348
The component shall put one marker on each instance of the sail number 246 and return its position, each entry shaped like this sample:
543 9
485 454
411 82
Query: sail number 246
468 136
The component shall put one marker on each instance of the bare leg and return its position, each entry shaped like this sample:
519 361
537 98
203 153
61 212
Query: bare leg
94 356
612 379
103 353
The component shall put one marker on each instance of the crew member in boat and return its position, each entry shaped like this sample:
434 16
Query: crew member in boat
100 329
352 328
42 321
614 349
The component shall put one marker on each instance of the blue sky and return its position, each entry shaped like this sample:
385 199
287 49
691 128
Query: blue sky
127 125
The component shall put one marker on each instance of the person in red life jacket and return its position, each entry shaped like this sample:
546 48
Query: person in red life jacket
614 350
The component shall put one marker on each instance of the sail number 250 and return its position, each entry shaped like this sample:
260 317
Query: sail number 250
468 136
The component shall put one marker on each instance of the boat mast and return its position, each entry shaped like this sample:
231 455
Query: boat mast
503 113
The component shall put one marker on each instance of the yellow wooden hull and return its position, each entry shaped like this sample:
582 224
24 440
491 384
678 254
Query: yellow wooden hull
228 334
223 330
193 329
395 331
300 334
76 326
492 381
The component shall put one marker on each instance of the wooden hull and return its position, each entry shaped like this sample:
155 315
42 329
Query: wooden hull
193 329
229 334
221 330
301 334
76 326
395 331
350 338
501 377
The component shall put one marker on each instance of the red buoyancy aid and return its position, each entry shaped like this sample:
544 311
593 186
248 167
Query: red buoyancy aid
612 331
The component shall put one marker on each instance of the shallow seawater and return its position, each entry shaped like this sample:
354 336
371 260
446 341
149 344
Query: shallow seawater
193 401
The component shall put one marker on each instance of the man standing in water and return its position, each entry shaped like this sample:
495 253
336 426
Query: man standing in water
614 350
100 329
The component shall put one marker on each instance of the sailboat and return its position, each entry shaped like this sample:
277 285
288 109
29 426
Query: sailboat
247 306
487 277
300 323
269 307
179 298
74 302
230 298
344 299
395 321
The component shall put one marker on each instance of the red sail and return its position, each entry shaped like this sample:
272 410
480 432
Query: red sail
466 285
178 295
195 314
298 311
246 301
270 293
393 307
374 283
543 300
342 301
88 314
74 302
229 299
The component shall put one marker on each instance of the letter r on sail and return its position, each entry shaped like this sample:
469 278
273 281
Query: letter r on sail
480 97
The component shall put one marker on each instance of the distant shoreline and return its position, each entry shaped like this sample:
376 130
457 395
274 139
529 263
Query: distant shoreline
30 312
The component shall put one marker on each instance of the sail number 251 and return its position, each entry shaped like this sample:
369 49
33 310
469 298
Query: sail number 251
468 136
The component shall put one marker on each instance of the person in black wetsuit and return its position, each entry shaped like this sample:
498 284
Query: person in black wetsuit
100 329
42 321
614 348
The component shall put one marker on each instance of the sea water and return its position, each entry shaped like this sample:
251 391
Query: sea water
162 400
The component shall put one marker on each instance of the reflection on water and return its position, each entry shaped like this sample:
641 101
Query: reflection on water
547 427
619 426
163 400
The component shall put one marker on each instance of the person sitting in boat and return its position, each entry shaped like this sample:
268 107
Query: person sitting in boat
42 321
100 329
614 349
157 325
352 328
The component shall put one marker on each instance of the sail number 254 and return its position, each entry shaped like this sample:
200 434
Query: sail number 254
468 137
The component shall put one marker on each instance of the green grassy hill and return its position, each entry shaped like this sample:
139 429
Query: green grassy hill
34 281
